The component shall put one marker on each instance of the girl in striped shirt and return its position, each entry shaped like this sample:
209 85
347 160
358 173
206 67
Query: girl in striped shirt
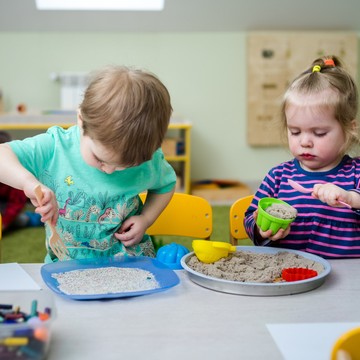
319 115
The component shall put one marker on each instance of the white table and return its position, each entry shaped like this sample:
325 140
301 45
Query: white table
190 322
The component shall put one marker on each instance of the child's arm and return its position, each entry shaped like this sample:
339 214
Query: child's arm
15 175
133 229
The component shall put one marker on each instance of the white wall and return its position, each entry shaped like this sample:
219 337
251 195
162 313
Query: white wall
204 72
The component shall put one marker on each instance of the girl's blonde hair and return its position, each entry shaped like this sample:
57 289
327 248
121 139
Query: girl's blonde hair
128 111
327 76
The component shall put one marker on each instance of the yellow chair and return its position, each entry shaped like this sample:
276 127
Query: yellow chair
185 215
237 213
347 346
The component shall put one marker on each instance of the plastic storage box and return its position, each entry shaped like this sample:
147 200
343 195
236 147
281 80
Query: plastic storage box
25 324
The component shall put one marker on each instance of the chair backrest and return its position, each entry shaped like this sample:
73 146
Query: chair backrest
185 215
237 213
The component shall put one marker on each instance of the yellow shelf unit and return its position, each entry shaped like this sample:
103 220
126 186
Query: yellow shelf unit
181 163
36 121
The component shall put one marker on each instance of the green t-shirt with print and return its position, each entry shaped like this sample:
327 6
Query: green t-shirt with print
92 204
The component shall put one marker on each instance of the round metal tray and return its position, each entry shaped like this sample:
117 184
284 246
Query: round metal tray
259 289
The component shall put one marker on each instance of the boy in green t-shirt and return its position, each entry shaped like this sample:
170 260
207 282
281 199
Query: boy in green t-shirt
92 173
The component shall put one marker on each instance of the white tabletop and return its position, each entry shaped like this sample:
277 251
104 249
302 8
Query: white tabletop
192 322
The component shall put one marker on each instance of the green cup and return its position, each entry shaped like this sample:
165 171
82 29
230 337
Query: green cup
265 221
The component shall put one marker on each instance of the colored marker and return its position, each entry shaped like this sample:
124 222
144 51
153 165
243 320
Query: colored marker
15 341
34 304
6 306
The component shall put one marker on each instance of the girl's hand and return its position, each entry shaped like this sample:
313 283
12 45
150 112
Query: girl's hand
48 208
132 230
277 236
331 194
280 234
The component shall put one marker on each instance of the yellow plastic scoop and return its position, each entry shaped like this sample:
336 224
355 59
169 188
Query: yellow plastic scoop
210 251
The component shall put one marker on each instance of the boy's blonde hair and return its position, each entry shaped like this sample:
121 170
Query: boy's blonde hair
327 76
127 111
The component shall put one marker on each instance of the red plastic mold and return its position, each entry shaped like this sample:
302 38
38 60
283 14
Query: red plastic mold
296 274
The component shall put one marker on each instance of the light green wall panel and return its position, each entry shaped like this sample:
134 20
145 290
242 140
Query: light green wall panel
204 72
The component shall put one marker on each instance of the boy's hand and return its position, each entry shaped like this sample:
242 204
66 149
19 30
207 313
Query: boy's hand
48 208
132 230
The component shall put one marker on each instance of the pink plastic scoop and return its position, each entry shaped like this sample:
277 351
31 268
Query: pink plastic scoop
304 190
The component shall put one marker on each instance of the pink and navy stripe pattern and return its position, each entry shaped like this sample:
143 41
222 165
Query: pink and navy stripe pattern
330 232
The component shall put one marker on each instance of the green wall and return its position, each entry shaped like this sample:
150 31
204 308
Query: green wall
204 72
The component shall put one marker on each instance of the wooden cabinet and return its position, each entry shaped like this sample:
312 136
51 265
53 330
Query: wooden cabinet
274 60
177 139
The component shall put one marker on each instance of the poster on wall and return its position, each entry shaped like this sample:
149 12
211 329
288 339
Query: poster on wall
275 59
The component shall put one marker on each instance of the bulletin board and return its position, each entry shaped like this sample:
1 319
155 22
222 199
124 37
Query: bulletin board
274 60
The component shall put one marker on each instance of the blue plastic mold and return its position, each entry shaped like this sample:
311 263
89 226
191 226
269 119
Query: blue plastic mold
171 254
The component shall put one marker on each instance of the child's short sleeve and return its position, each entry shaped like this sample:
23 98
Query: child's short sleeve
34 152
166 178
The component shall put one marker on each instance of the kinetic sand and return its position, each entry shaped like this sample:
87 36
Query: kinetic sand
245 266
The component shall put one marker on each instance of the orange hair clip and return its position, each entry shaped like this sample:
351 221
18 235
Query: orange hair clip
329 62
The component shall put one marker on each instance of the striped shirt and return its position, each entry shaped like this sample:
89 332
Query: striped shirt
330 232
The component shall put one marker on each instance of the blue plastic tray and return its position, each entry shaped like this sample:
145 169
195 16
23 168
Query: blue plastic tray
163 275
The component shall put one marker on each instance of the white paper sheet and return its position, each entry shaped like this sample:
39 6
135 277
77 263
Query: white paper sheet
308 341
14 277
